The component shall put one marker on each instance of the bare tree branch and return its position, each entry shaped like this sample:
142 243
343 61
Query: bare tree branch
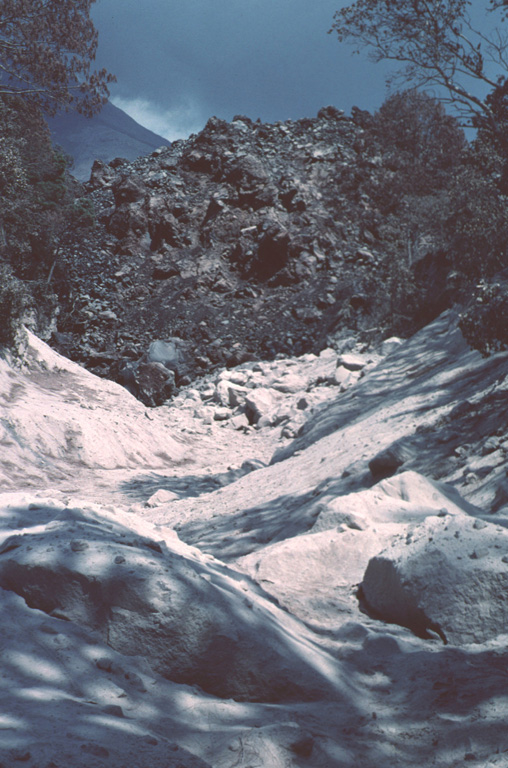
435 43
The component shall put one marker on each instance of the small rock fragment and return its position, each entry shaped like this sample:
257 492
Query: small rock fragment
352 362
79 545
162 496
222 414
114 710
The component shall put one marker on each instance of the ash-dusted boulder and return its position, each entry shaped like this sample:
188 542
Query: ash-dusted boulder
449 576
344 378
291 383
388 461
391 345
261 403
407 498
323 368
352 362
229 394
314 575
235 376
162 496
222 413
240 422
194 622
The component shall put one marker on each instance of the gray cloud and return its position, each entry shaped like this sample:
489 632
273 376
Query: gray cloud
182 61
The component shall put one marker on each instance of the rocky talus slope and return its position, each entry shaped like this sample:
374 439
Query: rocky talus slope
245 241
294 563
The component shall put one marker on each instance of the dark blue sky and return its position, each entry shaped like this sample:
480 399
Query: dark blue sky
180 61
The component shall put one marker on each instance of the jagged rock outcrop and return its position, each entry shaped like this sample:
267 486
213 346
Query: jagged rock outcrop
243 241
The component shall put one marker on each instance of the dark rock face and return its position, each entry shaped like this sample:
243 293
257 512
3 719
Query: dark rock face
239 241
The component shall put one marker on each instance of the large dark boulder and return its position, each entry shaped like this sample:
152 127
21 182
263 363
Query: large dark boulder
273 252
130 189
150 382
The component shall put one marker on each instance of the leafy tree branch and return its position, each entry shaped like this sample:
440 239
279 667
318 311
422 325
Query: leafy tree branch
46 51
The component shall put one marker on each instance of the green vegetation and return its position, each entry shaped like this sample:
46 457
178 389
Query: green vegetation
13 297
448 197
40 204
46 51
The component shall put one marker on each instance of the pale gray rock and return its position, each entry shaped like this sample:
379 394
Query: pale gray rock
222 414
240 421
290 383
344 378
234 376
405 498
187 399
165 352
208 393
313 575
328 354
205 414
108 316
447 577
229 394
261 403
323 369
238 377
162 496
391 345
289 430
352 362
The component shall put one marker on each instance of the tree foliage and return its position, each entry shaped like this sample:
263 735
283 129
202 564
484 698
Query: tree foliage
455 202
46 51
40 205
484 321
436 45
420 141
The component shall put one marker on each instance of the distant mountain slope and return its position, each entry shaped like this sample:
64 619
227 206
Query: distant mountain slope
110 134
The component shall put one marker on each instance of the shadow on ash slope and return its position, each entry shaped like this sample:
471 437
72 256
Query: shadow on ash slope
171 599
